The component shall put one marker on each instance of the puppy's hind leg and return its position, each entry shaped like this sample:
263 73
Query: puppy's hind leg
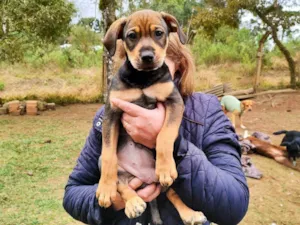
188 216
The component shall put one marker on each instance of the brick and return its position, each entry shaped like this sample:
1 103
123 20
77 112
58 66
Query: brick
31 107
14 107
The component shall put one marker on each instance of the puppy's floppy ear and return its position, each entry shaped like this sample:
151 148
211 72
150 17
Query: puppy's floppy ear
174 26
114 33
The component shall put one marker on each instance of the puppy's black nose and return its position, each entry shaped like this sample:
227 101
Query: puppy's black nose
147 56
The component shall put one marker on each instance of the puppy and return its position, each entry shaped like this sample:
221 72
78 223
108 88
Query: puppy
231 104
292 142
144 79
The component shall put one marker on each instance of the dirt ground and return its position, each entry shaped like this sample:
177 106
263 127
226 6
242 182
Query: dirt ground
275 199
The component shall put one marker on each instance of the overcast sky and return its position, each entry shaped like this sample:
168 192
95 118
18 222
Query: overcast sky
86 8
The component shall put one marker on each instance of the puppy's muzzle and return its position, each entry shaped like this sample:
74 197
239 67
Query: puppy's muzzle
147 56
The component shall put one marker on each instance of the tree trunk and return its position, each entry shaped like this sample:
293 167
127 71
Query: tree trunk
108 8
288 57
259 56
281 47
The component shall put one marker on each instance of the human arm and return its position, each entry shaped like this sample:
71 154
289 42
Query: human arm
211 179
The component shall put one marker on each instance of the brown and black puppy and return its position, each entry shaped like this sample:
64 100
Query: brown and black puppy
144 79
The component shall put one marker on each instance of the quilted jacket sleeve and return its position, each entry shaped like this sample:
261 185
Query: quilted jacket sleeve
211 180
79 199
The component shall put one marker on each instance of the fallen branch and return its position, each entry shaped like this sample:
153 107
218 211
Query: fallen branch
266 93
241 92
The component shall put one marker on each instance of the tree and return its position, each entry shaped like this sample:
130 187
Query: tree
46 19
275 15
32 21
215 14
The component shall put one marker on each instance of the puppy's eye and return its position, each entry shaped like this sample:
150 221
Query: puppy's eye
159 33
132 35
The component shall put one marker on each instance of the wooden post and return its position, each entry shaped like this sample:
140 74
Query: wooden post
259 58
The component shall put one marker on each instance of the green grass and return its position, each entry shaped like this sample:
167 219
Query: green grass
32 173
2 86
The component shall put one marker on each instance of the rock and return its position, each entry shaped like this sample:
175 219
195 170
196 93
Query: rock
3 111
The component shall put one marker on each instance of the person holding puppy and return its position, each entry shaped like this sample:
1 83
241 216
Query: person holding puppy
207 155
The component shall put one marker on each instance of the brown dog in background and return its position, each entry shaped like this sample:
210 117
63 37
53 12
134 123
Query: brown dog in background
144 79
231 104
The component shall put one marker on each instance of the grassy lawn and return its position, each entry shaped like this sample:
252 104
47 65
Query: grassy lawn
33 173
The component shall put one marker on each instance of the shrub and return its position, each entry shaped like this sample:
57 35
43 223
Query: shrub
228 45
83 38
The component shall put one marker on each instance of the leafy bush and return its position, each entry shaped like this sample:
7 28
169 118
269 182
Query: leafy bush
65 58
228 45
81 54
83 38
12 48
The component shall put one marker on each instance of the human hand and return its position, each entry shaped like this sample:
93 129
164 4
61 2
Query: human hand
148 193
143 125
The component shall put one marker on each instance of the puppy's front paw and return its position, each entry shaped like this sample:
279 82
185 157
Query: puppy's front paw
135 207
166 173
105 194
193 218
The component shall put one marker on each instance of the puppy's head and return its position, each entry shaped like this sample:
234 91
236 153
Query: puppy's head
145 37
248 105
293 149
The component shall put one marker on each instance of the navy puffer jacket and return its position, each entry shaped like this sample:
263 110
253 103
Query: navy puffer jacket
210 177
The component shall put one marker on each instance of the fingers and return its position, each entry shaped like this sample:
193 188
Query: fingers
127 107
155 194
135 183
127 118
150 192
128 126
160 106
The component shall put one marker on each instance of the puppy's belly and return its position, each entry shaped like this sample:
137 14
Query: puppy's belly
136 160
